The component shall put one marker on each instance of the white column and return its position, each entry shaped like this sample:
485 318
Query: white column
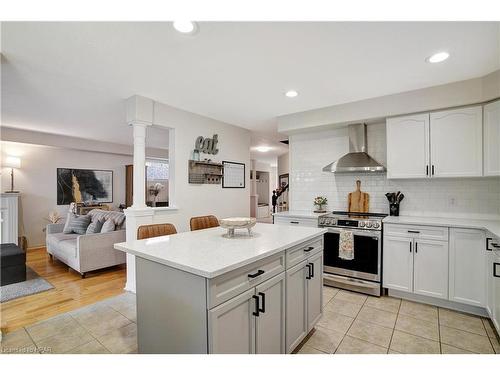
139 196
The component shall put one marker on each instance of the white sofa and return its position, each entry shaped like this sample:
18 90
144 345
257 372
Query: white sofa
86 252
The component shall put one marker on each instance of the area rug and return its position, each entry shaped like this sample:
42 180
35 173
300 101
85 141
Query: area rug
34 284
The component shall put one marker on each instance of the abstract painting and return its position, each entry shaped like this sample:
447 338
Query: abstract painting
84 185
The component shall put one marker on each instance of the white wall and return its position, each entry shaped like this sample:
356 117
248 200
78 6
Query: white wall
309 153
36 180
454 94
196 200
283 164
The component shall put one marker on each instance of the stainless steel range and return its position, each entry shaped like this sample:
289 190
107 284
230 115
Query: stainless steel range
363 273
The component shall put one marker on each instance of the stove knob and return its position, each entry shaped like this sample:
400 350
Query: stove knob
376 225
361 224
368 224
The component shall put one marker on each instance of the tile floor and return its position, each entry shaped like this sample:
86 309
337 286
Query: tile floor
352 323
108 326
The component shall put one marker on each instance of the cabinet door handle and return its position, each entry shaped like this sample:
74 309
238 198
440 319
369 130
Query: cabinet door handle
488 239
307 249
263 309
294 222
495 274
416 247
254 275
256 312
426 170
312 269
410 246
433 169
308 277
495 245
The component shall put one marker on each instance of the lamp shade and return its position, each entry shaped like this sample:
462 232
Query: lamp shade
12 162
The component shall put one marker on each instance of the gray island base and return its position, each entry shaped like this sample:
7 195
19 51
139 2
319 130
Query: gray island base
200 292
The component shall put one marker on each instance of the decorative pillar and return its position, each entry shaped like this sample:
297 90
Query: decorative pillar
139 196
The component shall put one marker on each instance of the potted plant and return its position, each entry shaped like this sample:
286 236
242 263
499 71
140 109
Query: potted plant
320 202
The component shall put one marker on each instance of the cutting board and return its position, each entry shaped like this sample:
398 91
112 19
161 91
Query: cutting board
358 201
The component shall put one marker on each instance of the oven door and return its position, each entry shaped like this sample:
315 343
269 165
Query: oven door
367 254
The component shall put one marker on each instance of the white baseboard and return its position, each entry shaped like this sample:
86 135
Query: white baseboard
481 311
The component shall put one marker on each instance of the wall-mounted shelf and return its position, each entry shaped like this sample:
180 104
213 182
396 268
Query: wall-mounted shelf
204 172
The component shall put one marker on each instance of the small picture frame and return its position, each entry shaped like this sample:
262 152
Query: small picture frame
283 180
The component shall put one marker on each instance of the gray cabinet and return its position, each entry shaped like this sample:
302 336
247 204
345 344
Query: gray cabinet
270 324
304 305
296 305
315 291
252 322
231 326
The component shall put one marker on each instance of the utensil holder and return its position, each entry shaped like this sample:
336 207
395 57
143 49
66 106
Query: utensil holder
394 209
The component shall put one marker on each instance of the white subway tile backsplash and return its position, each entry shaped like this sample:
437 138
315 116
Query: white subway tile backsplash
309 153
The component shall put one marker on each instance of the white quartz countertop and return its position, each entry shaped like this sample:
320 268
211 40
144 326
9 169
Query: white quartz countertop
208 254
302 214
492 226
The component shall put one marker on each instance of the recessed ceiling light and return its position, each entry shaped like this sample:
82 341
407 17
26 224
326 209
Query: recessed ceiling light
438 57
185 27
263 148
291 94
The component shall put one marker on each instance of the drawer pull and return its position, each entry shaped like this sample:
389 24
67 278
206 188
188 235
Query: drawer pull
254 275
308 277
488 239
256 312
294 222
307 249
495 274
495 245
263 309
413 231
312 270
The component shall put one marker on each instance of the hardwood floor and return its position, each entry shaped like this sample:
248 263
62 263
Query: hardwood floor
70 291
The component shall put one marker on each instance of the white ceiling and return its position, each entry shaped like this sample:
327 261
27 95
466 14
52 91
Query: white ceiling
71 78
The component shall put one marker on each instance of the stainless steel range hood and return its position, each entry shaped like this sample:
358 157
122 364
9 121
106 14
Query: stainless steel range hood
357 160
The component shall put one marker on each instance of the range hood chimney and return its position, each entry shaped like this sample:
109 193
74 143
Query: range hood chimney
357 160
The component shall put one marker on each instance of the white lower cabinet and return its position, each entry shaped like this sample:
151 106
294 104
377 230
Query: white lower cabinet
430 268
253 322
468 266
398 263
304 305
415 265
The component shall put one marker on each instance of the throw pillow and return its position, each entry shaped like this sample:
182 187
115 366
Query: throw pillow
66 229
95 227
78 224
108 226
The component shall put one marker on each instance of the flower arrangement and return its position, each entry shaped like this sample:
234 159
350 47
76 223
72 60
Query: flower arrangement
154 190
53 217
320 202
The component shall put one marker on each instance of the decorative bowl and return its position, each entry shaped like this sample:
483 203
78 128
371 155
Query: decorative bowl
232 223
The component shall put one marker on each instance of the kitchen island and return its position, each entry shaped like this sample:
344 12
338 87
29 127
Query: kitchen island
201 292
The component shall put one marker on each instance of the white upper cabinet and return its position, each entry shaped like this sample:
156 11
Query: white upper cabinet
456 139
443 144
408 146
492 139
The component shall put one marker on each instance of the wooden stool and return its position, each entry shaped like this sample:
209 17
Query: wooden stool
155 230
203 222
